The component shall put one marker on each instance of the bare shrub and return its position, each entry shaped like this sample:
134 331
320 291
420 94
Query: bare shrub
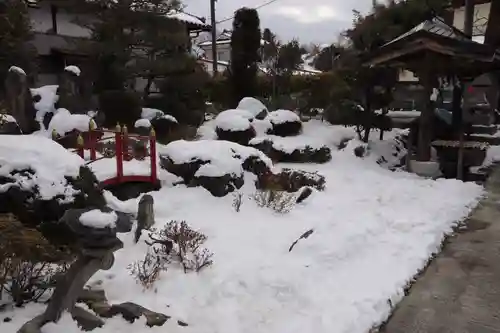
237 201
175 243
29 264
147 271
279 201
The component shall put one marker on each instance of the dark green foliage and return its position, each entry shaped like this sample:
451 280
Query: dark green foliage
290 128
241 137
15 32
120 107
289 57
326 58
245 46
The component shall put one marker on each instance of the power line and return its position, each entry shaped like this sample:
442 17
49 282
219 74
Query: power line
258 7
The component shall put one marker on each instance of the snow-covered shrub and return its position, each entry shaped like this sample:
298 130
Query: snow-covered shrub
218 166
120 107
148 270
180 244
281 150
284 123
279 201
164 127
235 126
237 201
253 105
28 262
292 180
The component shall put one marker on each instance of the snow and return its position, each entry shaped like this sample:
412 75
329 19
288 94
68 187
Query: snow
142 123
98 219
7 118
234 120
252 105
50 161
150 114
169 117
48 95
435 94
73 69
18 70
64 122
225 157
282 116
373 231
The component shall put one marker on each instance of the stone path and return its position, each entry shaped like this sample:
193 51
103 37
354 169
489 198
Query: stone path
460 291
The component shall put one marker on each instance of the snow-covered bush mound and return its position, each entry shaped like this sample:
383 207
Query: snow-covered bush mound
218 166
292 180
40 180
8 125
295 149
235 125
64 122
150 114
284 123
254 106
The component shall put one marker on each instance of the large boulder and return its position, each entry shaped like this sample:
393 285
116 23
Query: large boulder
284 123
235 126
8 125
218 166
40 181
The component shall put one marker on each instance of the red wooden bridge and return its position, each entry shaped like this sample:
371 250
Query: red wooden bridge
123 141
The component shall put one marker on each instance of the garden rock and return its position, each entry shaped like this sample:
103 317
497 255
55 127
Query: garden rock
304 194
86 320
145 215
8 125
19 100
131 312
219 186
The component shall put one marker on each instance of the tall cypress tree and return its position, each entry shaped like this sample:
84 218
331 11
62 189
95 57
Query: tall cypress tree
15 33
245 46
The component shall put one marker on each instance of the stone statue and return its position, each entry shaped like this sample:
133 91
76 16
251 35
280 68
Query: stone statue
145 215
19 100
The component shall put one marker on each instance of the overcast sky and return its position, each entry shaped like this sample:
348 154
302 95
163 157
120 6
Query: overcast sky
318 21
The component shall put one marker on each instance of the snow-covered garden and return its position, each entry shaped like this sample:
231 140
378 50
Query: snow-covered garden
337 261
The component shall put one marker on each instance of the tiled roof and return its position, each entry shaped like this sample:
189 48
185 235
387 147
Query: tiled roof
438 27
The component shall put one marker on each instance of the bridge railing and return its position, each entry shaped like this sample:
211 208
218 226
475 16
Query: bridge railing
122 144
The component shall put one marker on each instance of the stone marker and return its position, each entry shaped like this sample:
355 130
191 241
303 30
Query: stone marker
145 215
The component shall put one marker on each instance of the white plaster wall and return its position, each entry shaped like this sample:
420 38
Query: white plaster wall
41 21
407 76
223 52
481 15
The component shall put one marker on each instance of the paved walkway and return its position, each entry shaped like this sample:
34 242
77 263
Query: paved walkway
460 291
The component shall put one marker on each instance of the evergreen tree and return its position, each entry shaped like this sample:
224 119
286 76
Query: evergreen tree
290 57
15 33
133 38
245 46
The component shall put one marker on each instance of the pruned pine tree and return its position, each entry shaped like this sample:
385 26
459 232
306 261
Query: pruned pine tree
245 55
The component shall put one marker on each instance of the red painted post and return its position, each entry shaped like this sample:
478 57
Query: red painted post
80 146
152 150
119 152
92 140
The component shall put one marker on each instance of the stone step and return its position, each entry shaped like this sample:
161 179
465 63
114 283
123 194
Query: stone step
492 140
484 129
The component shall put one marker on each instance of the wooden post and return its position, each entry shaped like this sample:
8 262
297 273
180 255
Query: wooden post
125 145
92 140
152 149
80 145
119 152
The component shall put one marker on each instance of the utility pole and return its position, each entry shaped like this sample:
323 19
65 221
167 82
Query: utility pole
469 18
214 37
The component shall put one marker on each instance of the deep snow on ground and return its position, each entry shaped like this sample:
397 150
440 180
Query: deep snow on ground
373 230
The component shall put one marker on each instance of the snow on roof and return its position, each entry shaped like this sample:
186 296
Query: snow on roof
188 18
50 161
99 219
282 116
234 120
64 122
225 157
